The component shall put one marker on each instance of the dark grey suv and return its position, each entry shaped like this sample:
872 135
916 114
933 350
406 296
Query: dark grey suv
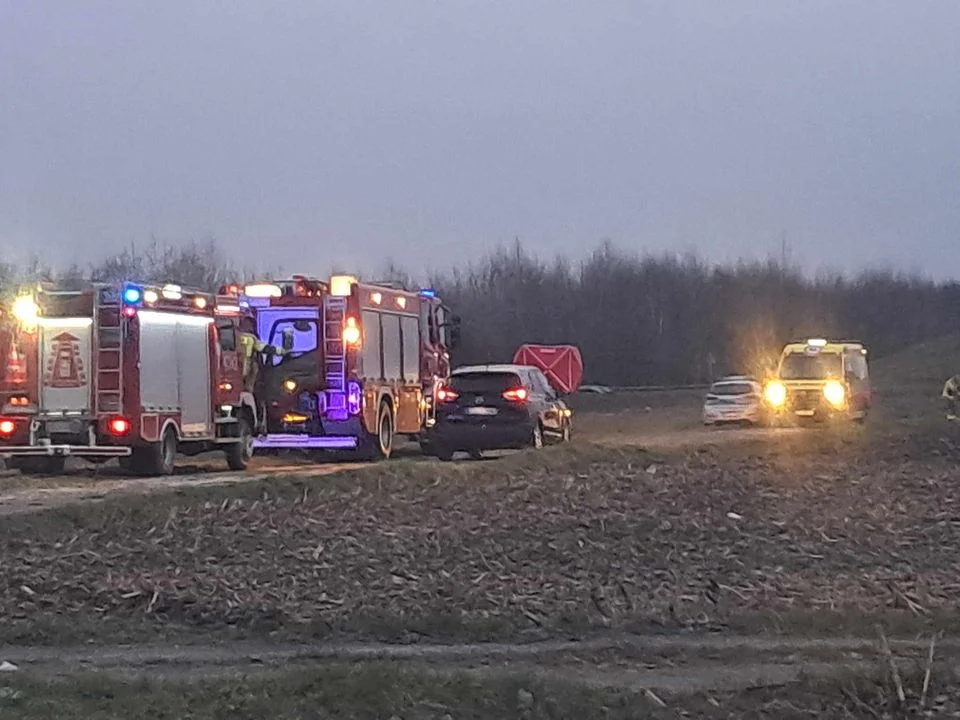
497 407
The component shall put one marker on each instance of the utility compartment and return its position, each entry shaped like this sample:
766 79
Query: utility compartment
175 369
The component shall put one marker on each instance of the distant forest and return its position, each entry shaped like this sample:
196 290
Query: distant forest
637 319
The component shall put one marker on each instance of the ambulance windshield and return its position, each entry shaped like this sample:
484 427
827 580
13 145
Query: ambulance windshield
800 366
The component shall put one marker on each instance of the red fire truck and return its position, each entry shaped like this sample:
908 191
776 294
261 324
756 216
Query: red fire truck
362 362
125 371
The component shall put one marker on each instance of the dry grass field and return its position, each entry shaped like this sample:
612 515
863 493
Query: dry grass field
652 568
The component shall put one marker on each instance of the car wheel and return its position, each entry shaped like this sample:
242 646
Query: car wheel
536 437
476 455
444 454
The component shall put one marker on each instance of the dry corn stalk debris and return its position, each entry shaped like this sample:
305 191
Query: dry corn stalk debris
700 539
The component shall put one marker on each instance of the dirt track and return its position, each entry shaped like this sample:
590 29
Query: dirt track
678 664
82 486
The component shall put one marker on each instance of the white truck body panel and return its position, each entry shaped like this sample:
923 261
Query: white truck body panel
66 369
175 368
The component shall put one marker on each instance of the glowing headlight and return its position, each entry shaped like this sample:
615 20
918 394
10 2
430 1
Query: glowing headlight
26 310
835 393
290 385
775 393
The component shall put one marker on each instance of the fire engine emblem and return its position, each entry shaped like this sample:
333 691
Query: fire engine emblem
64 364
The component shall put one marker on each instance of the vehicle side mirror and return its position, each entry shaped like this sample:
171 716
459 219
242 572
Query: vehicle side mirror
288 339
454 336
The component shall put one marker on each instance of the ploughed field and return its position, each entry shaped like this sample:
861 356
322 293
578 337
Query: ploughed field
805 525
694 564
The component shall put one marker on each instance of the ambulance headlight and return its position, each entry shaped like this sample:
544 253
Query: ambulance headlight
26 311
835 393
775 394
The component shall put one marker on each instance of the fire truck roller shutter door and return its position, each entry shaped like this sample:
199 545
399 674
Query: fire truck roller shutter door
175 368
392 366
371 357
408 398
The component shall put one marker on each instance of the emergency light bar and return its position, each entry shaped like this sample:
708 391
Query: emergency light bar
817 342
428 293
342 285
263 290
132 294
172 292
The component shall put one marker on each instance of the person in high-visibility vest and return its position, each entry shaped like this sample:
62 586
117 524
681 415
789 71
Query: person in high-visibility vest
251 345
951 394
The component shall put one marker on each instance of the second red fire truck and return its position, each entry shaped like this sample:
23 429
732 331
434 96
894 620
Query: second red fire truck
361 366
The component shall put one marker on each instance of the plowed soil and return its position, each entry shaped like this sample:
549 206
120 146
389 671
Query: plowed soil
807 534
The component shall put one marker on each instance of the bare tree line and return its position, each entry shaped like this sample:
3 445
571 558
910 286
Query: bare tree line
636 319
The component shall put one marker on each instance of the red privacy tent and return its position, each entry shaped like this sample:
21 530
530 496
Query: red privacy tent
562 364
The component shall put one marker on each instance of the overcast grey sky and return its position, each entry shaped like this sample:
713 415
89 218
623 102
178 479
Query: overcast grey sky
315 132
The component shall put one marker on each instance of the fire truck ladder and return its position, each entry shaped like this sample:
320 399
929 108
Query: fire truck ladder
334 355
108 390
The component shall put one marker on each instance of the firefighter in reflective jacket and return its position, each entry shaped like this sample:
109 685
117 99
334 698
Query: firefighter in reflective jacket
951 395
252 346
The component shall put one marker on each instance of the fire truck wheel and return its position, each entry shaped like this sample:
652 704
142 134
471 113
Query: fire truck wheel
239 454
380 443
157 458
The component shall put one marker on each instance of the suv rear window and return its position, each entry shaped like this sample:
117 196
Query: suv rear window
731 388
484 382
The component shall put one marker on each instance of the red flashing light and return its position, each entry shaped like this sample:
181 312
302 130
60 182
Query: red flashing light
445 394
19 401
119 426
516 394
7 427
129 311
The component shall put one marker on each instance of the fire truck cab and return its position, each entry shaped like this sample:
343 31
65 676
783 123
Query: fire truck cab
128 371
360 366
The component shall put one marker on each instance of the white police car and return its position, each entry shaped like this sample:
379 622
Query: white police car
734 399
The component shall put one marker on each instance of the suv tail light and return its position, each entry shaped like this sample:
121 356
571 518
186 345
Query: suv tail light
516 395
7 427
445 394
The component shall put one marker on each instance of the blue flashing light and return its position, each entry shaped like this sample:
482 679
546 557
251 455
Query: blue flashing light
428 293
132 295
